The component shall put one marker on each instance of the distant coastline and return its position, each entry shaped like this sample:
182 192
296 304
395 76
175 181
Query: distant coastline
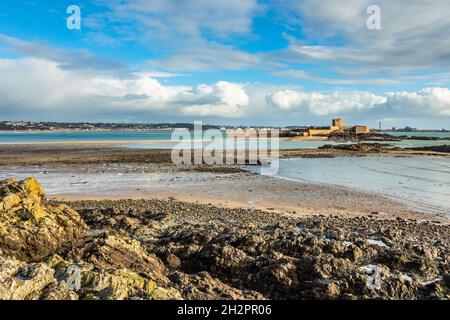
44 126
88 130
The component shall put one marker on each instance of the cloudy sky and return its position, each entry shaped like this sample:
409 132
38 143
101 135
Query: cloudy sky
278 62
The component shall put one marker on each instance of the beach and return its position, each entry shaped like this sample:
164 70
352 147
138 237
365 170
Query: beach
191 230
99 171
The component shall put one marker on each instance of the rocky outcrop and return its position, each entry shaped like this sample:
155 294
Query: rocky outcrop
202 286
173 250
96 265
423 138
345 136
96 282
110 250
19 280
443 149
54 279
215 253
361 147
31 229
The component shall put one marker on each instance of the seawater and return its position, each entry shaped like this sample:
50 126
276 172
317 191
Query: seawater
33 137
162 139
421 182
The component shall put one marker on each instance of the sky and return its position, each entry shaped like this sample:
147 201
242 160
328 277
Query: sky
249 62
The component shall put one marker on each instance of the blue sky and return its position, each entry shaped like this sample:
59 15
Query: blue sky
237 61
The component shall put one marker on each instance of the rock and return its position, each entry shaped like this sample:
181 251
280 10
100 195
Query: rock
446 280
333 234
202 286
21 199
211 252
333 289
361 147
116 252
327 290
355 253
30 229
222 259
442 148
59 291
22 281
9 201
120 284
371 136
173 261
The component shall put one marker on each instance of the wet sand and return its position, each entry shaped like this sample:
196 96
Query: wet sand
224 186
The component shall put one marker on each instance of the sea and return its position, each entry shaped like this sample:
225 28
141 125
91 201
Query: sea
162 139
423 183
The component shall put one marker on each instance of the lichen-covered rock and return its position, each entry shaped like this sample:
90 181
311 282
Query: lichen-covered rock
100 280
114 251
21 199
50 280
173 250
31 229
202 286
119 284
59 291
22 281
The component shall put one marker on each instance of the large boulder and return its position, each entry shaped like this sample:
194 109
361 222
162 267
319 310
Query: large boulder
111 283
31 229
202 286
116 251
53 280
31 281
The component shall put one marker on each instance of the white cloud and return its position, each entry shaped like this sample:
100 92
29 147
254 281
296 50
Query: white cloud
229 100
325 104
42 89
285 99
434 101
41 86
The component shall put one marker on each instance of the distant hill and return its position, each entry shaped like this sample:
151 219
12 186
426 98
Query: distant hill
89 126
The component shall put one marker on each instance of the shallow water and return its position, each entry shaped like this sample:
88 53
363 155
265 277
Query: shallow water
33 137
439 134
112 179
421 182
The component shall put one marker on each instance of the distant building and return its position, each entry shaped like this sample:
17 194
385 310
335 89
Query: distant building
337 125
339 122
252 133
360 129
